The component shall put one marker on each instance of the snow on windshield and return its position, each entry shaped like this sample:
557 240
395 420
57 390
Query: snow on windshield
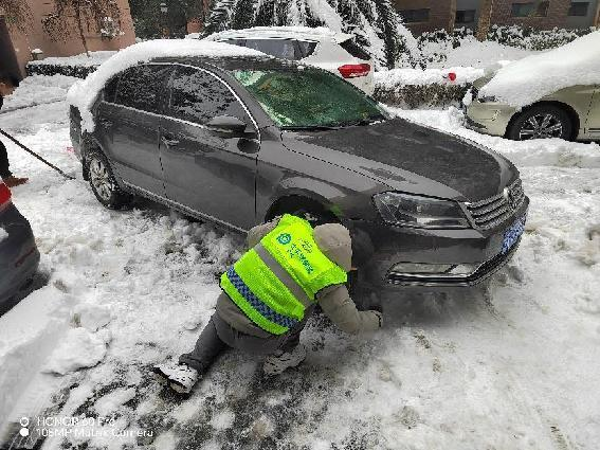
529 79
3 234
83 94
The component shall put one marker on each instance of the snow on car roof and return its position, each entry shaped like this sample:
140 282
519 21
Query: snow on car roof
305 32
526 81
83 94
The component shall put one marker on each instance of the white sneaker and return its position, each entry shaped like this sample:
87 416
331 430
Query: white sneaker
281 361
180 377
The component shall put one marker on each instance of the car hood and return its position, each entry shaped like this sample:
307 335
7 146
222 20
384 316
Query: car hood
411 158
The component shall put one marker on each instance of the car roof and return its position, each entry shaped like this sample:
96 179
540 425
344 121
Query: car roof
231 63
316 34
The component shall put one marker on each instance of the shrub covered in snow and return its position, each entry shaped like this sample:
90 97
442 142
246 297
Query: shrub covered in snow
376 25
413 88
79 66
435 46
532 39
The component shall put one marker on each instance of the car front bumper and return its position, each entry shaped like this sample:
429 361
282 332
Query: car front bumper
489 118
478 253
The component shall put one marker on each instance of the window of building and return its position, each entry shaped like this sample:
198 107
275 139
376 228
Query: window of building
531 9
141 87
415 15
198 97
579 9
466 16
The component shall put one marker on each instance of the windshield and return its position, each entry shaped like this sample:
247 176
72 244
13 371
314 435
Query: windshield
309 98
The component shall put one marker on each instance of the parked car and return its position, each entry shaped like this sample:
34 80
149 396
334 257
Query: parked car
335 52
572 113
238 141
19 256
551 94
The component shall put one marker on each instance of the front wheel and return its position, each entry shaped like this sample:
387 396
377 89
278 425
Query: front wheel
541 122
103 183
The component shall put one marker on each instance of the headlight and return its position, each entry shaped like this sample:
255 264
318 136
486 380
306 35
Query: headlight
419 212
487 99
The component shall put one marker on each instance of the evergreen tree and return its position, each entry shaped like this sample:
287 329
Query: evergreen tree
221 12
375 24
243 14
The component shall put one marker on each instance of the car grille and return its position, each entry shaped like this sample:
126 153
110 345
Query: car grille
494 210
474 93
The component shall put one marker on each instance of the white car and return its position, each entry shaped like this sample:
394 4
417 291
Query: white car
320 47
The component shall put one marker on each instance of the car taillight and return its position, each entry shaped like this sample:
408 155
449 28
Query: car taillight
354 70
5 196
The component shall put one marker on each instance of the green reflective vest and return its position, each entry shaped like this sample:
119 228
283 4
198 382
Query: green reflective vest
275 282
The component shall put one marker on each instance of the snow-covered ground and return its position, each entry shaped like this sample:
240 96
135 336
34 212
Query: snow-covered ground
512 367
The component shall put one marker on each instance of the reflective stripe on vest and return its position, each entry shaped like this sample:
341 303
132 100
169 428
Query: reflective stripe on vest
277 280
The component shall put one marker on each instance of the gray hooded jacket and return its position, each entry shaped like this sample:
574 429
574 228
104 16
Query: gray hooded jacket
335 242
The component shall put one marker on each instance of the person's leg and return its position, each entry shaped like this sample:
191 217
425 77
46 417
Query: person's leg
183 375
289 353
208 347
4 164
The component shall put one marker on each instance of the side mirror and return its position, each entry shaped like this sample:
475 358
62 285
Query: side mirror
228 126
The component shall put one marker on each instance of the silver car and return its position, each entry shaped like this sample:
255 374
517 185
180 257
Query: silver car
19 256
572 113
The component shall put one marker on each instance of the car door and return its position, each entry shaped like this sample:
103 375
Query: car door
205 170
129 122
593 119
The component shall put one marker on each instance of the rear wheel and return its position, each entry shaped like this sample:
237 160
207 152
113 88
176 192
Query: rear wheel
103 183
541 122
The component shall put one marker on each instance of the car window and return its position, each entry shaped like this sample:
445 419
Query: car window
110 90
355 50
293 49
141 87
197 96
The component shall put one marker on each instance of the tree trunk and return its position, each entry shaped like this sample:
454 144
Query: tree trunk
485 19
452 16
80 28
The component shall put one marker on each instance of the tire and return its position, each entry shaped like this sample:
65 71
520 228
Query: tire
103 182
541 122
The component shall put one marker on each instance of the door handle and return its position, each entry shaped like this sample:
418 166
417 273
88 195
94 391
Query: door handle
169 141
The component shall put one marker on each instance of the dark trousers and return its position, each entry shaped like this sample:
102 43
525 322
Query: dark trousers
218 335
4 166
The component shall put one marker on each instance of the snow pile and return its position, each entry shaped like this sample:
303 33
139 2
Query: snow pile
83 94
38 90
528 80
466 51
78 349
389 79
82 60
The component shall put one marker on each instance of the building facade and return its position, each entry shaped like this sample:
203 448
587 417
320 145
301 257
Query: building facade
25 36
429 15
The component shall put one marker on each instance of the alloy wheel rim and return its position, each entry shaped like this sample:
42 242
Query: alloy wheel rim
541 126
101 179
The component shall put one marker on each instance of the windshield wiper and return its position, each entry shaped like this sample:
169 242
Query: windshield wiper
310 127
360 122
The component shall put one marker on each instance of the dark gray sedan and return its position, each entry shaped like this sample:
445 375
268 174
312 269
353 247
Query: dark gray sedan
19 256
240 140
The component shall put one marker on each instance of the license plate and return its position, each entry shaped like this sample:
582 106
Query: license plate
512 234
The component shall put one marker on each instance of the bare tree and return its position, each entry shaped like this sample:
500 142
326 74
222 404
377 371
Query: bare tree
16 12
485 19
97 15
